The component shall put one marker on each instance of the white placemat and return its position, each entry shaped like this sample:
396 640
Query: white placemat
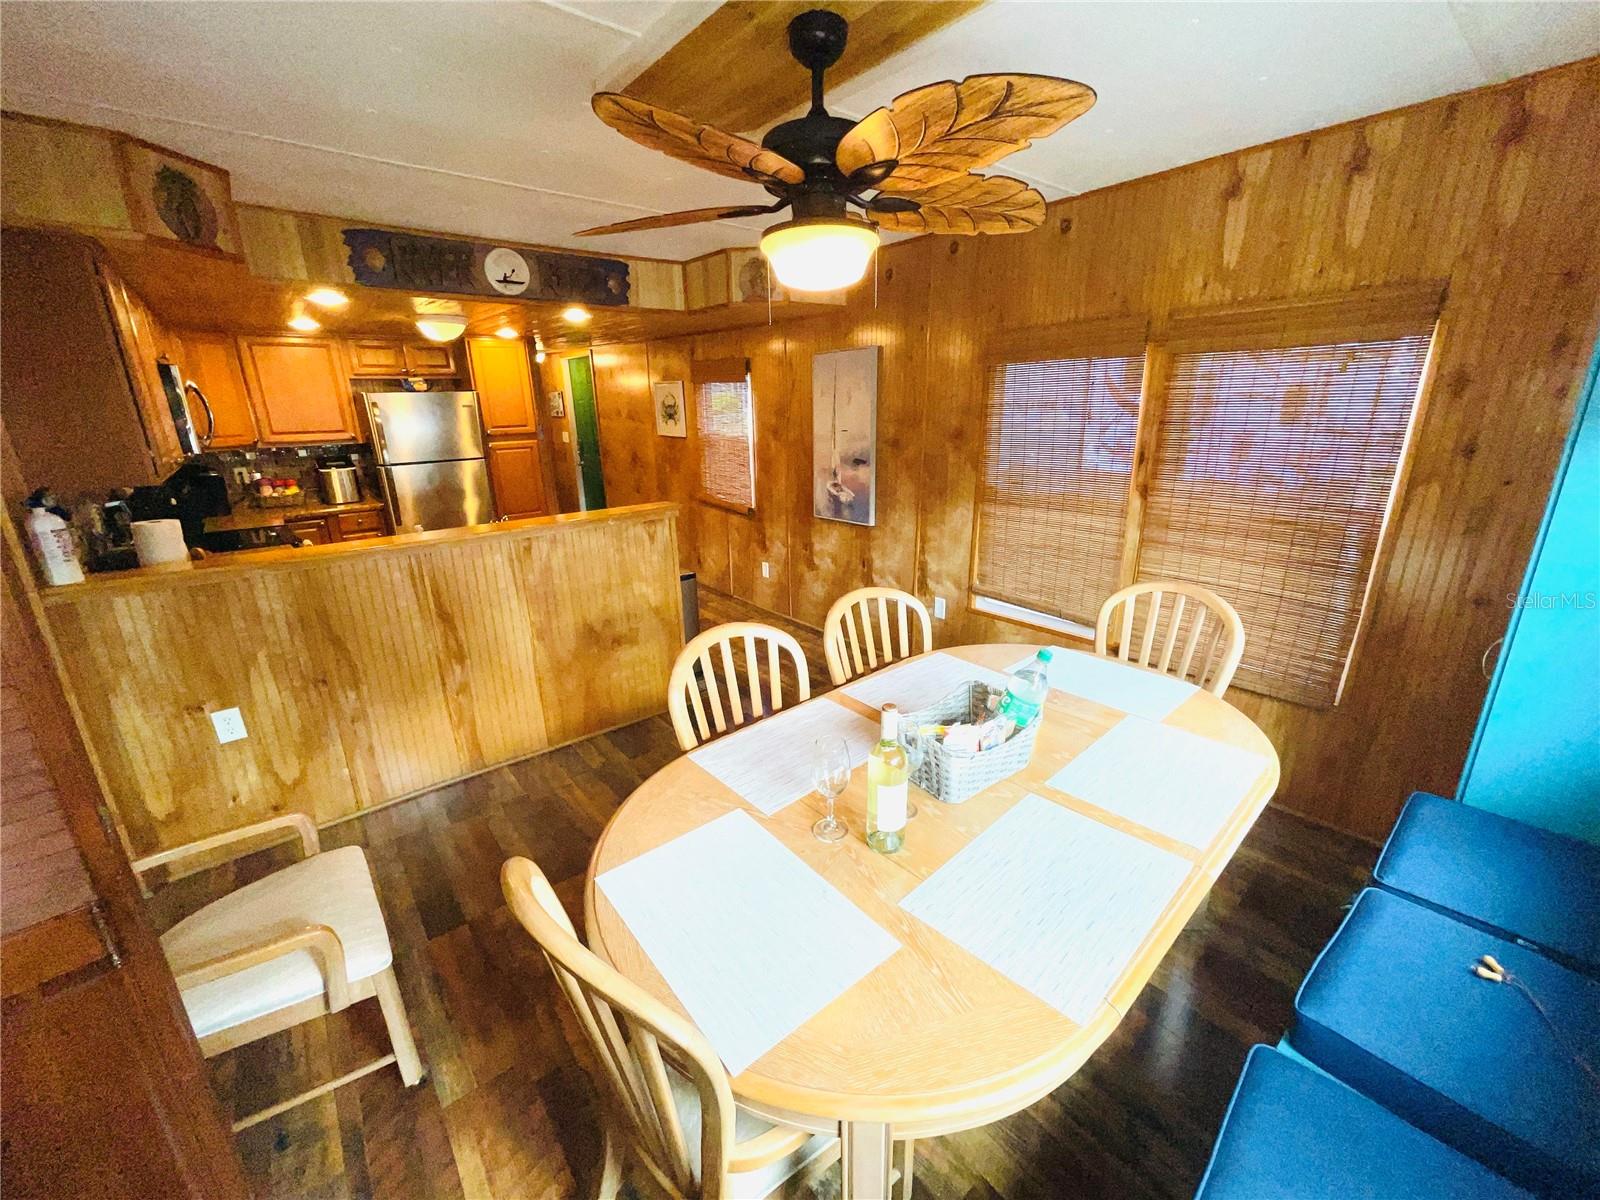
1166 779
769 763
1055 901
1115 684
753 942
919 683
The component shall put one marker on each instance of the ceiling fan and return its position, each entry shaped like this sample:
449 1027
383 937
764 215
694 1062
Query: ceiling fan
917 156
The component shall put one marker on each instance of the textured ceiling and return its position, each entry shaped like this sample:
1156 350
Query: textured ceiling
474 117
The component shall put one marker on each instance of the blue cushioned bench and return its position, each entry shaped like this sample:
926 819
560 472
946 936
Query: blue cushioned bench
1292 1133
1392 1008
1522 883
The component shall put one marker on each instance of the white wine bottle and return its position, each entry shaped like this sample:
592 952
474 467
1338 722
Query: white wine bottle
886 787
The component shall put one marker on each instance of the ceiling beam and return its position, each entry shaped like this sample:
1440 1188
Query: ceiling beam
733 70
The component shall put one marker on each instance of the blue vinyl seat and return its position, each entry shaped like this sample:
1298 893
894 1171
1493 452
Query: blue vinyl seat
1392 1008
1292 1133
1522 883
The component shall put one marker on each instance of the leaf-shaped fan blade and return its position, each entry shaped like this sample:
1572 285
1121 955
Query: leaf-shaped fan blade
703 145
974 204
940 132
689 216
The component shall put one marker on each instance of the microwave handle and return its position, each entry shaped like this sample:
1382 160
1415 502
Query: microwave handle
211 417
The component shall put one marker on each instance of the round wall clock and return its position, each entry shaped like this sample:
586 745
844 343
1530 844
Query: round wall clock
507 271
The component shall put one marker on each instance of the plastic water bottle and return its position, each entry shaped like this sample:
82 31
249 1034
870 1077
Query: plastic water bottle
1026 693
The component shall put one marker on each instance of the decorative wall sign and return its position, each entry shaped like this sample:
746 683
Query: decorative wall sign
844 436
415 263
672 415
558 404
176 198
507 271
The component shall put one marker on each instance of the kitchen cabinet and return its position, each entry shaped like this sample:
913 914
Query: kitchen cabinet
142 343
83 406
377 358
315 532
299 390
504 385
329 527
517 477
429 358
211 362
355 526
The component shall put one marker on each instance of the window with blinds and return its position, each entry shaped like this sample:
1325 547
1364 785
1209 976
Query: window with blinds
1057 456
1273 474
724 422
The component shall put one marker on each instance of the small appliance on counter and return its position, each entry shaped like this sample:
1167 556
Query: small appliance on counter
338 480
429 447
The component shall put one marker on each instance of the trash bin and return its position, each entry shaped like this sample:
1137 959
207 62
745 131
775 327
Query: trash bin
691 605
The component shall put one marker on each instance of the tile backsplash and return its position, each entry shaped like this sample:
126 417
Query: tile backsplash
291 462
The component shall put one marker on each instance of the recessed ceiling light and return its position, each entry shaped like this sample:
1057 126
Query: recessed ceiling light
506 332
304 323
326 297
575 314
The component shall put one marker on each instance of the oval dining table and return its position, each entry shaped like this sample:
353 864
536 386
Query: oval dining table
931 1041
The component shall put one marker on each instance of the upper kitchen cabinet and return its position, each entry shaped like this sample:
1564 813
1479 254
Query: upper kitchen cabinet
210 362
84 406
505 388
299 388
429 358
377 358
144 345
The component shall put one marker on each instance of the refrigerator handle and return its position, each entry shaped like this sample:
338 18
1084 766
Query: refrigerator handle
379 445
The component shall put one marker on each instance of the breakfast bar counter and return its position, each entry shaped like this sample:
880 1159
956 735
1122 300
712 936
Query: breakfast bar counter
365 671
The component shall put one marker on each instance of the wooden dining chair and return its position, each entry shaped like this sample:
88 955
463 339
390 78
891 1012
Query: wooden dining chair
699 662
1197 637
667 1099
857 635
293 946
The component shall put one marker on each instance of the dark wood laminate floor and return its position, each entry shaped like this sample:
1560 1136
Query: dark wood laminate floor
506 1111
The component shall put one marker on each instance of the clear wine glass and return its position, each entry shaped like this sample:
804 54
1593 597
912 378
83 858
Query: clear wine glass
915 743
830 771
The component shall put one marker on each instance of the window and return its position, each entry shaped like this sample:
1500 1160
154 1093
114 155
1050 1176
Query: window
1273 474
724 422
1057 455
1267 441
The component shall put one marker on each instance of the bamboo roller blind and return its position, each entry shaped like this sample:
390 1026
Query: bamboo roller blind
1057 457
724 422
1273 445
1273 474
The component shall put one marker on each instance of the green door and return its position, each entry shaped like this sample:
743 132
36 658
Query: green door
580 381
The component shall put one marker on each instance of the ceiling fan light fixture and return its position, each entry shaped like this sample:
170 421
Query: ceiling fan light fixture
819 254
442 327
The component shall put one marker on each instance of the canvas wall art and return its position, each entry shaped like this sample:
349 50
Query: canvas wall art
844 436
672 415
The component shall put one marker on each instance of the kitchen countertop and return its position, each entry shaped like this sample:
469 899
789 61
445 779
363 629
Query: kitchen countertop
247 516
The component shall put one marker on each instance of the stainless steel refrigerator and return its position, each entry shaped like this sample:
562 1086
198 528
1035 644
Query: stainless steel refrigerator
429 447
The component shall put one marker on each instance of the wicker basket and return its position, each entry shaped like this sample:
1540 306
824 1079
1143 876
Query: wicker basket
954 778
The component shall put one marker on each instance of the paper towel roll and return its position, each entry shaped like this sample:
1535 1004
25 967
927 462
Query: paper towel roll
159 542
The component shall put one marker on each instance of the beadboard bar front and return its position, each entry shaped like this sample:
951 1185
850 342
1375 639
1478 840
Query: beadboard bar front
365 671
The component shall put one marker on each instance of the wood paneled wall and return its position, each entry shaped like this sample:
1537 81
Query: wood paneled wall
1495 192
366 671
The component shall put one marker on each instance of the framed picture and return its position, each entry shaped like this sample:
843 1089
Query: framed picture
672 415
558 404
844 436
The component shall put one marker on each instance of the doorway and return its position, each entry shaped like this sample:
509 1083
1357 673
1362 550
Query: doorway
586 424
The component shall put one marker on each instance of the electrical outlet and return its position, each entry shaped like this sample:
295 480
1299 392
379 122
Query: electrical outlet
564 436
241 476
229 724
766 570
938 608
